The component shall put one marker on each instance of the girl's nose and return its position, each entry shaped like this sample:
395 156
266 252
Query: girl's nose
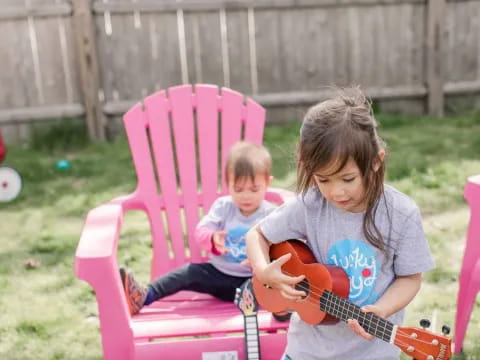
337 191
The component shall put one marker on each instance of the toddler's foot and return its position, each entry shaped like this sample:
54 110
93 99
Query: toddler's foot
282 315
134 292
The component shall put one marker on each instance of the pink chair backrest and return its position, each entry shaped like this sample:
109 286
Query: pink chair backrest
472 246
175 140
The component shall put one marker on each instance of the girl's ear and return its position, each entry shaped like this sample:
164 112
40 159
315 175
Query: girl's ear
269 180
379 160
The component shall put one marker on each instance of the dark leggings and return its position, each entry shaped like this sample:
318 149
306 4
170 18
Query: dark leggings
202 278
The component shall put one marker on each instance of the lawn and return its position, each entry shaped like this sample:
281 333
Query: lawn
49 314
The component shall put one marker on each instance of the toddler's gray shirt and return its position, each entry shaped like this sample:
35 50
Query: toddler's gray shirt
225 215
336 238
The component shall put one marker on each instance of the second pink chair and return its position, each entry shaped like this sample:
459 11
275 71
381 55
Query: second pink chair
469 284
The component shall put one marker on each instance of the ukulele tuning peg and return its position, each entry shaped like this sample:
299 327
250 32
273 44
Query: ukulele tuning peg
425 323
445 330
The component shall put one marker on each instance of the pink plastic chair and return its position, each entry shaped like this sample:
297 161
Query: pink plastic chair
168 134
470 274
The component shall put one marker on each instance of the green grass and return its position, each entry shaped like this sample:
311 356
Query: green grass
49 314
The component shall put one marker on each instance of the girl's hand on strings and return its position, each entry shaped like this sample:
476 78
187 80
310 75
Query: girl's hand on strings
219 242
357 328
273 276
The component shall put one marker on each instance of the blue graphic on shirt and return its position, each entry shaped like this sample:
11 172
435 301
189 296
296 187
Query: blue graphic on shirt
235 243
358 260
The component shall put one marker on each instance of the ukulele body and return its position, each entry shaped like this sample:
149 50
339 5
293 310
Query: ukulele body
318 278
417 343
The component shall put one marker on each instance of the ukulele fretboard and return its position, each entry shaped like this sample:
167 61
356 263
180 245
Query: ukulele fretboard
343 309
251 337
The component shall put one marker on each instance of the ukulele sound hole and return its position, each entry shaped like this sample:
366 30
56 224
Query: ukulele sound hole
303 286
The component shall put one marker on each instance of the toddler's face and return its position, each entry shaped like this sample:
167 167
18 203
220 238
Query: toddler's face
345 188
248 194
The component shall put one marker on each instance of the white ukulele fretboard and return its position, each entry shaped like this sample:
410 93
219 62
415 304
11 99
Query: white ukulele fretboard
252 343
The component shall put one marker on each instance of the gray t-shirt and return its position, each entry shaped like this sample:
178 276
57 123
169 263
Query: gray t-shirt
336 238
225 215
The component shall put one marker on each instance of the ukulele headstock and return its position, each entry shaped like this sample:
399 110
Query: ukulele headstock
422 344
245 299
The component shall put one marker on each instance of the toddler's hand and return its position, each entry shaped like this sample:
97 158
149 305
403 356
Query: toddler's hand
357 328
219 242
273 276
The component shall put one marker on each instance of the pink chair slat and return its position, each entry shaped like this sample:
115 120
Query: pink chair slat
195 318
232 104
207 125
147 188
255 122
271 348
184 135
138 141
156 107
469 284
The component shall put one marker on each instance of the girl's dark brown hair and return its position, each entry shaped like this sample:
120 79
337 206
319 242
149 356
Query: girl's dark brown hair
335 131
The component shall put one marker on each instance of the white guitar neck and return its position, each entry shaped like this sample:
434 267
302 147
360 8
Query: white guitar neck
251 337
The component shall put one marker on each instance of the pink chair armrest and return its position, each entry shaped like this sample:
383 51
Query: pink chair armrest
96 263
100 233
279 196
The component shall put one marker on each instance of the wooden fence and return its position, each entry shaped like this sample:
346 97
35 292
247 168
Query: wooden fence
94 58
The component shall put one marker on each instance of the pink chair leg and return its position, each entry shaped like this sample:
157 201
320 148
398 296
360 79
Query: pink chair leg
466 299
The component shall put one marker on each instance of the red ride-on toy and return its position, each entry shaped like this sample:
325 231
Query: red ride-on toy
10 179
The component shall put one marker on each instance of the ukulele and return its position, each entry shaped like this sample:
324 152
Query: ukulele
327 288
248 305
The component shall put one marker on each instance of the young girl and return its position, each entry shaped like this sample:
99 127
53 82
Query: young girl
350 219
221 232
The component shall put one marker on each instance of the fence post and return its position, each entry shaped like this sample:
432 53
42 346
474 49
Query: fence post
89 70
434 56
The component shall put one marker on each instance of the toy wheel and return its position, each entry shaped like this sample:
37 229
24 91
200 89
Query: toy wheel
10 183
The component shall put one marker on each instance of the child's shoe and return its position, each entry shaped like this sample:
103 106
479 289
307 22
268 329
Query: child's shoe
282 316
134 292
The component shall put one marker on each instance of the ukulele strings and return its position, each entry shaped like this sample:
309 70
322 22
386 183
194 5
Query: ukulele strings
418 340
405 345
313 303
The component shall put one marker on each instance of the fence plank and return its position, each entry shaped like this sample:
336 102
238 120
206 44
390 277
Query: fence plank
13 11
461 51
210 55
295 98
435 26
17 76
17 67
89 70
270 59
239 51
40 113
416 24
72 60
54 84
208 5
126 56
341 46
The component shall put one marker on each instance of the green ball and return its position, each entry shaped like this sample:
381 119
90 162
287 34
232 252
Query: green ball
63 165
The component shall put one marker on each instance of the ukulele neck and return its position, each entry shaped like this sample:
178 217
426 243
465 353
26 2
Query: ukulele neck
343 309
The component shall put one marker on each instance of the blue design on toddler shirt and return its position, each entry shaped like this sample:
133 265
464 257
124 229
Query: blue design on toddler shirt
358 260
235 243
